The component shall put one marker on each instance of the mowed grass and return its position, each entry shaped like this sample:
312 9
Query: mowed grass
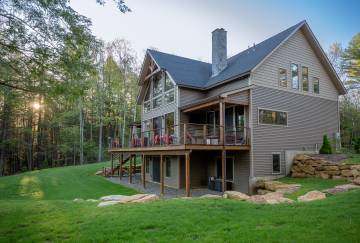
352 159
56 218
310 184
65 183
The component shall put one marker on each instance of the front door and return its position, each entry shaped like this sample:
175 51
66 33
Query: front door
156 169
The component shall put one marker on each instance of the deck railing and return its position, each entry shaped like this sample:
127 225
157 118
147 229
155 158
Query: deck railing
189 133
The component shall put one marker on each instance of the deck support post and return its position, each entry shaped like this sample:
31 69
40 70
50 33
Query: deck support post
187 174
143 170
222 121
185 133
121 161
223 161
112 164
130 168
161 174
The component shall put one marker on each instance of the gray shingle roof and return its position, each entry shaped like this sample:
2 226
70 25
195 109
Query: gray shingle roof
197 74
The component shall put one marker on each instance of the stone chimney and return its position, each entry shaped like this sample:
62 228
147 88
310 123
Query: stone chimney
219 51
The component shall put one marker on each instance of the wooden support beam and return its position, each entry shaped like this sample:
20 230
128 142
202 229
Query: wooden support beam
205 133
130 168
222 121
121 161
143 166
187 174
161 174
223 161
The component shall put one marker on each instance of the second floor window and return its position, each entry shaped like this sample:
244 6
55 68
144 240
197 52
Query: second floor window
294 76
272 117
316 85
282 77
305 78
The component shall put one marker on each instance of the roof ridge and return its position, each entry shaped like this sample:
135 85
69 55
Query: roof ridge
177 56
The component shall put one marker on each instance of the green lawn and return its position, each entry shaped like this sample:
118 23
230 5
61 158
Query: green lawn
310 184
352 159
38 207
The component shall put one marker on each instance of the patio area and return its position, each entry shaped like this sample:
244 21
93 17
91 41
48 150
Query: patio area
154 188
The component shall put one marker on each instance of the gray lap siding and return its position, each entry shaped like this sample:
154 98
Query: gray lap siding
309 118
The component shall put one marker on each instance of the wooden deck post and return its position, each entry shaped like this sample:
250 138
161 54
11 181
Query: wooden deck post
112 164
161 174
121 161
130 168
143 170
187 174
223 161
222 121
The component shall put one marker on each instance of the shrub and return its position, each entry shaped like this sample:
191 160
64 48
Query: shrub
356 144
326 146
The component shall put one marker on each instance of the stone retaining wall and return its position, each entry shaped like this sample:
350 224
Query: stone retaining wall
312 166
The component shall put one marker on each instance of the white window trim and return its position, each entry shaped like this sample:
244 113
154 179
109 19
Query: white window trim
275 125
272 163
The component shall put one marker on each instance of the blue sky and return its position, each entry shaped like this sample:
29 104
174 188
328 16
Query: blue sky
184 27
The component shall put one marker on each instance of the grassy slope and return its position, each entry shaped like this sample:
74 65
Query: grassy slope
59 183
310 184
336 219
352 159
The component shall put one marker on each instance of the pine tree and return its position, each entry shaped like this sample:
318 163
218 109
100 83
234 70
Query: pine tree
326 146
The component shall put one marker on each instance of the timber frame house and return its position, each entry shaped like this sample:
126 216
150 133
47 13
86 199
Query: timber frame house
225 124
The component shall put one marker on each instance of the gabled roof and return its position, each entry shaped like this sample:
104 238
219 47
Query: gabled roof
195 74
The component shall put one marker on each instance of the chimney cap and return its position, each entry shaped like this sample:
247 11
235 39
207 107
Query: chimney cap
219 29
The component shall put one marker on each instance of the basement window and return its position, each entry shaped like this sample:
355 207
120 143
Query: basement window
276 163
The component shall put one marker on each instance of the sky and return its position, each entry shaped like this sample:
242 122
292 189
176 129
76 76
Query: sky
183 27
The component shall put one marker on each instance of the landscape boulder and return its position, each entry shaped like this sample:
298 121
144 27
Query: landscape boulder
119 199
270 198
236 195
210 196
356 181
312 196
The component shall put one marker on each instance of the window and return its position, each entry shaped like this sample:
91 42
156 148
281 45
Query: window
276 163
169 96
157 102
167 166
147 106
168 83
282 77
294 76
272 117
157 85
157 126
316 85
147 166
169 123
229 169
305 78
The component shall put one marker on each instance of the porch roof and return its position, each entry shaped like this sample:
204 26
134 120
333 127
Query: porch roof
210 101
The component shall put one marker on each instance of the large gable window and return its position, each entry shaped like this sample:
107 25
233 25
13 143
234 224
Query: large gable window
305 78
272 117
294 76
282 77
161 91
